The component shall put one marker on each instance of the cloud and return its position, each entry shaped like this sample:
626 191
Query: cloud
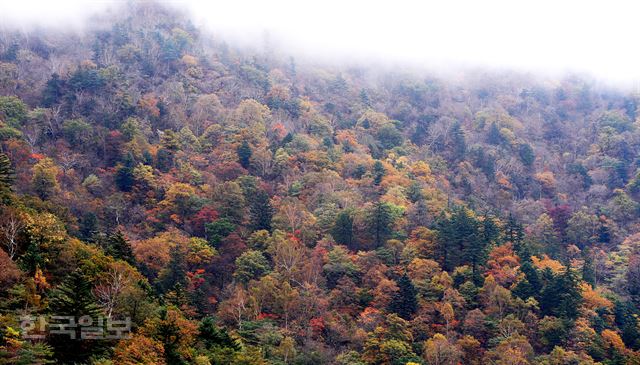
27 14
542 35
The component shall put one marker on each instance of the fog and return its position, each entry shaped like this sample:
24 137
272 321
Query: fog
548 36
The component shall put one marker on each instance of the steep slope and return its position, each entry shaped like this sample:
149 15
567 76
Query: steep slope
243 207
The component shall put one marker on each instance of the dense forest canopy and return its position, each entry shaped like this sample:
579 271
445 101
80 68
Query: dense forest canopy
248 207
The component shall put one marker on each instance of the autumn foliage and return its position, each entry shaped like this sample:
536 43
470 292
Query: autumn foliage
242 207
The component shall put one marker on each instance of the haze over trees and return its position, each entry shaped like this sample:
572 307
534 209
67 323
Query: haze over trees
245 207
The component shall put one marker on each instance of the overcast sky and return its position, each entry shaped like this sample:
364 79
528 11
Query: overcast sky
542 35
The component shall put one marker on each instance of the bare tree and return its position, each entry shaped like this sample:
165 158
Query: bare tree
108 292
10 226
288 253
263 159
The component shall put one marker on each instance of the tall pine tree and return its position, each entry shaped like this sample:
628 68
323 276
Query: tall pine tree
260 210
7 177
404 301
118 247
342 231
561 295
73 298
530 285
379 223
514 233
244 154
174 276
378 172
461 240
124 178
457 142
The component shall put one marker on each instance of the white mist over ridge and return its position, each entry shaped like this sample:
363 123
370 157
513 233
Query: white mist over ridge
537 36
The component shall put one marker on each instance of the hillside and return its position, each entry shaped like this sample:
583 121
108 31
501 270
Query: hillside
250 207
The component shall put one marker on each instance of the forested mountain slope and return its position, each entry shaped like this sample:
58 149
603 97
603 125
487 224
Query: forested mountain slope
245 207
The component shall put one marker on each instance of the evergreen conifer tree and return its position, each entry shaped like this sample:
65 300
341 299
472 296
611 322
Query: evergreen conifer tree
244 154
118 247
73 298
404 302
342 231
